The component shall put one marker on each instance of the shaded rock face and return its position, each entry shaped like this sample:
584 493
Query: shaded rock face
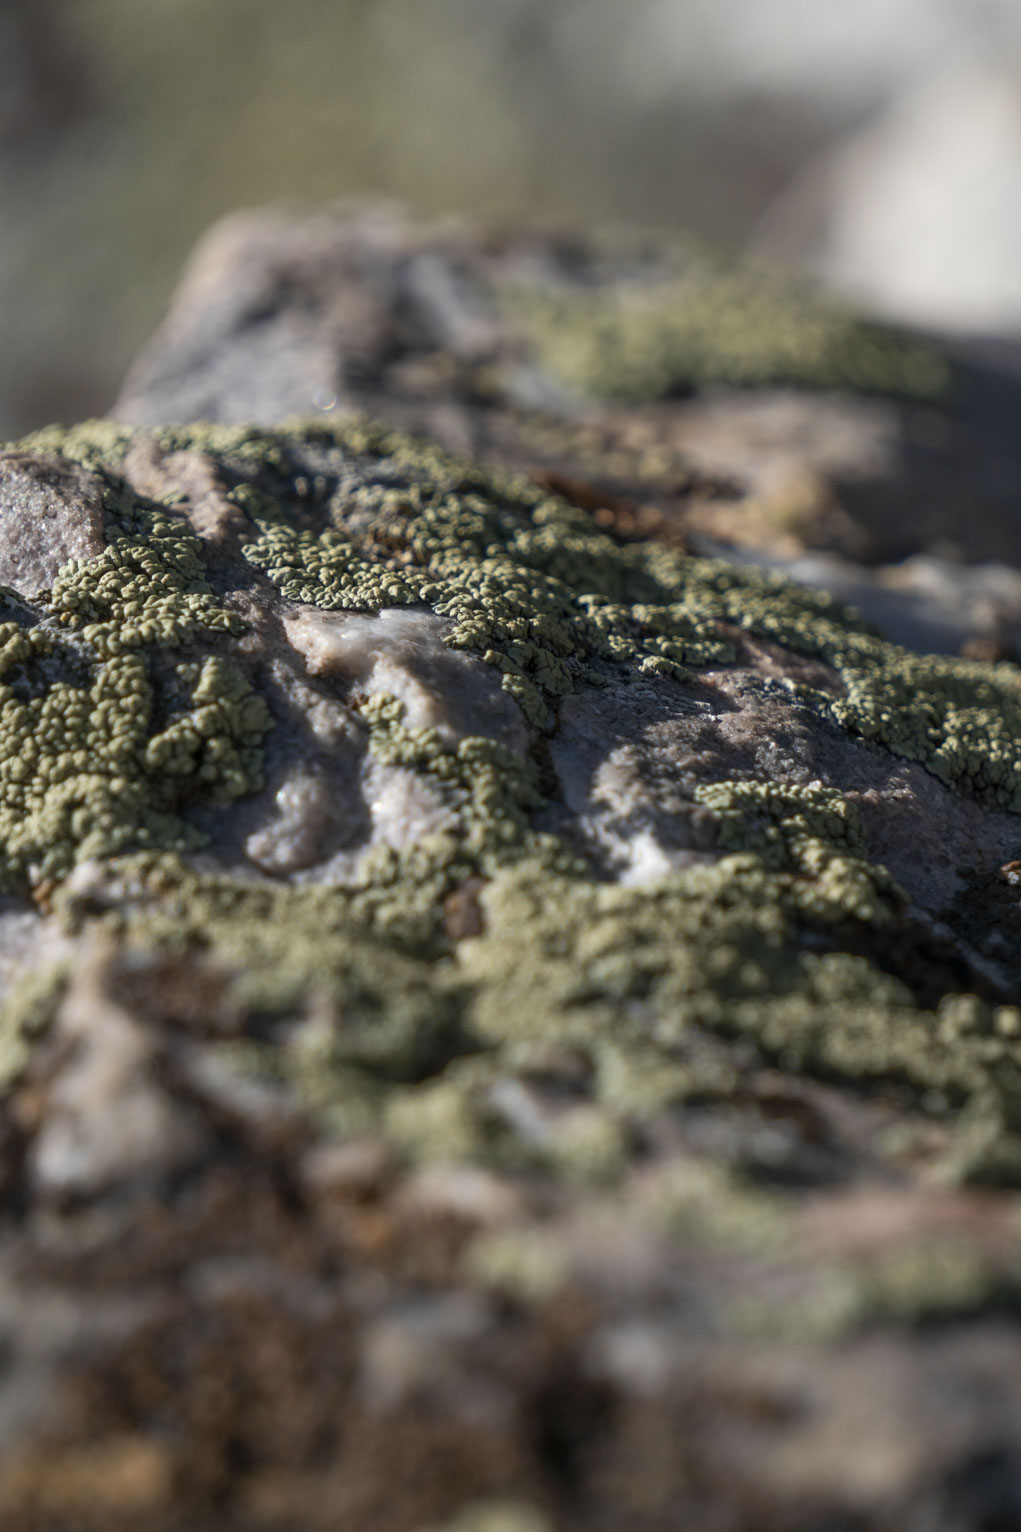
510 1024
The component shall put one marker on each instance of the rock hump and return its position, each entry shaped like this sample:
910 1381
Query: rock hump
512 1015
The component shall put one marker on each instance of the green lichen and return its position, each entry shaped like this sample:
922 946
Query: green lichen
84 773
644 971
383 1020
813 831
496 1516
528 1265
146 587
102 741
711 325
529 584
699 1198
404 1033
102 445
28 1009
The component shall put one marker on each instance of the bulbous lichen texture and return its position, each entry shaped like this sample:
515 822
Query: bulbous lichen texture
528 583
384 1017
85 768
712 325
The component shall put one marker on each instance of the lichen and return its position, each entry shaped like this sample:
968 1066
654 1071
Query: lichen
496 1516
102 743
529 584
27 1011
407 1034
85 774
712 325
359 998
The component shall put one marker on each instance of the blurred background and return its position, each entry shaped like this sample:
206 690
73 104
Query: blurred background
875 146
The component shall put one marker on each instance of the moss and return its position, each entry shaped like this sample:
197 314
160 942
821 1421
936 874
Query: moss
712 325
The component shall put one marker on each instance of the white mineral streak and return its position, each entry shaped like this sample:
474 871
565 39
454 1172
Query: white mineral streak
400 651
28 941
304 812
404 808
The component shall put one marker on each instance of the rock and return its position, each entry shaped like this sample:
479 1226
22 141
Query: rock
52 513
510 1021
107 1121
549 352
925 603
720 105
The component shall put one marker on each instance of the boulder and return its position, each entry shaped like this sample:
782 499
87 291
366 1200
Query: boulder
512 1017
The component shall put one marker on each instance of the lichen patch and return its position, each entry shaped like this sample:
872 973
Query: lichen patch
543 805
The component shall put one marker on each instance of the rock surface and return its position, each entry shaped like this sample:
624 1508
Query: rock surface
543 349
512 1024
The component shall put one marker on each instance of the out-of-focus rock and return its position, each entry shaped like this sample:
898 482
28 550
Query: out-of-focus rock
107 1122
915 215
428 326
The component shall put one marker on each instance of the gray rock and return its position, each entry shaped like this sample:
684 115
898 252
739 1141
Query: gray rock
52 512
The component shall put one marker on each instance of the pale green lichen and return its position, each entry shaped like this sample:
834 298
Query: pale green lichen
387 1021
26 1013
84 773
496 1516
532 586
717 326
405 1034
529 1265
146 587
698 1197
102 445
529 584
717 948
102 744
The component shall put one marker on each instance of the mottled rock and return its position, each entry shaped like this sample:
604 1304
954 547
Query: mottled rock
52 512
511 1023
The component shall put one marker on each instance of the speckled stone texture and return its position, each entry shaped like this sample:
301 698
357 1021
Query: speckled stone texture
509 1024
